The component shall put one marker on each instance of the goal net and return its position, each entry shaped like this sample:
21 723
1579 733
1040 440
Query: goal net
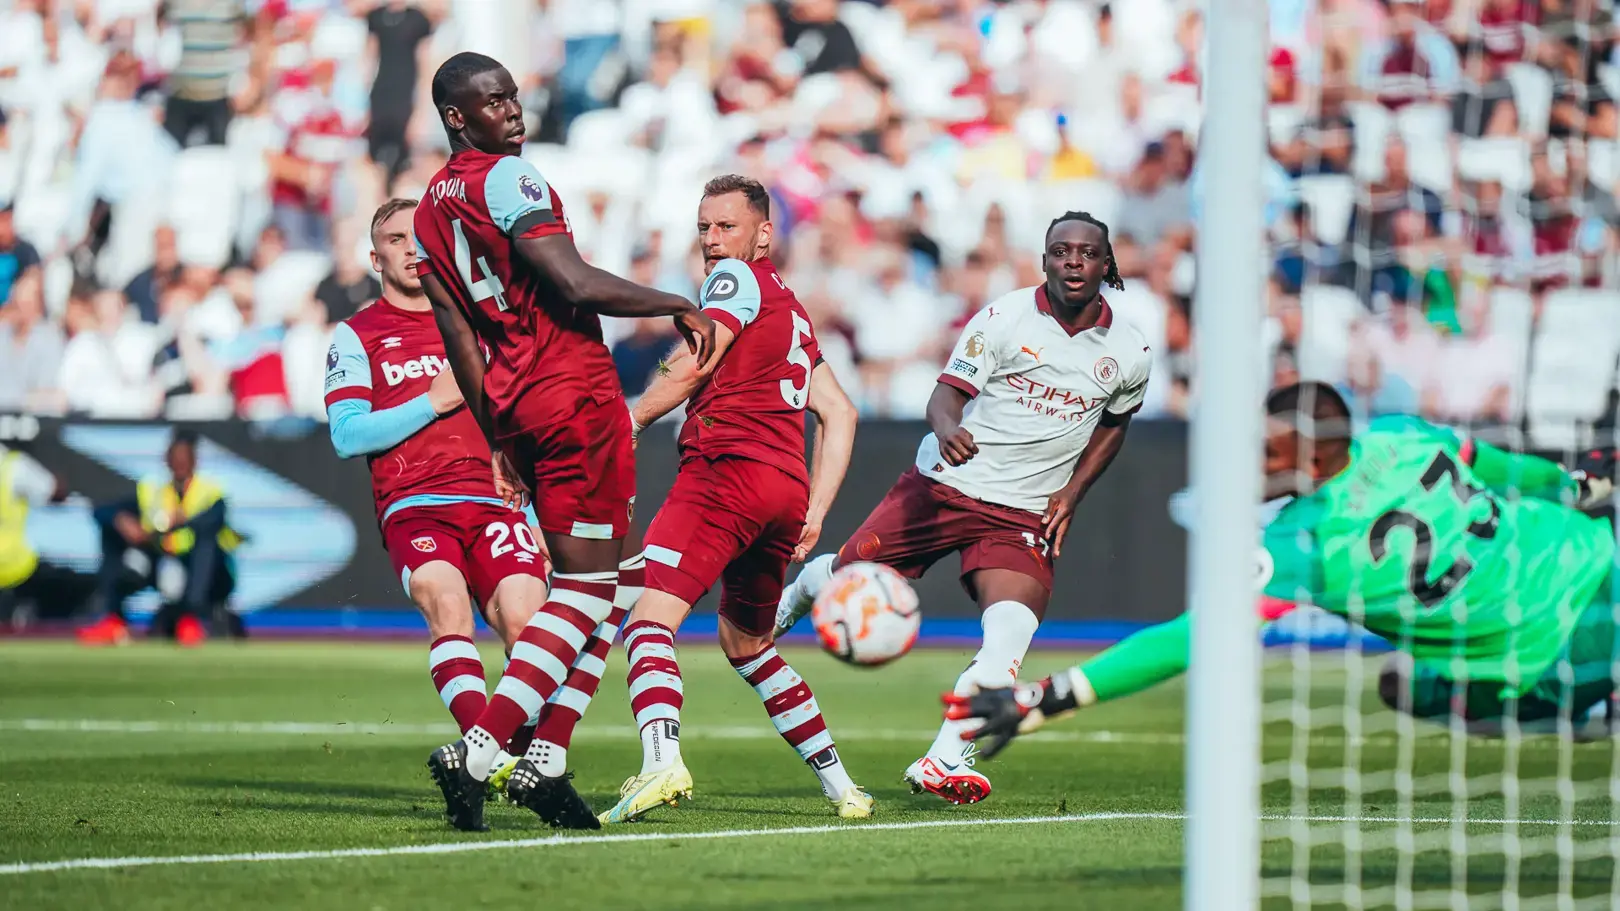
1451 256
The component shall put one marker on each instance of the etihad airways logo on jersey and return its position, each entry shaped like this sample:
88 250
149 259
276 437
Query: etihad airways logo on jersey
450 186
1050 400
426 365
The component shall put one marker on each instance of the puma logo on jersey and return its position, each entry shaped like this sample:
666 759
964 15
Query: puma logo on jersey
426 365
1032 352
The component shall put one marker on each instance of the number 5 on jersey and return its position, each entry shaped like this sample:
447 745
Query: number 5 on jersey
792 394
487 287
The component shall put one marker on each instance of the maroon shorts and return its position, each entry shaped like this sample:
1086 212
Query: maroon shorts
920 521
581 470
729 519
485 542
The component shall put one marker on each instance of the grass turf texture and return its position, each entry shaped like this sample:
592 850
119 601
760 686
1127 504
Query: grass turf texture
215 773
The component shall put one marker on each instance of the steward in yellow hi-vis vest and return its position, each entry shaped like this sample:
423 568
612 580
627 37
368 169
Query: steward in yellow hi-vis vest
177 520
31 586
18 559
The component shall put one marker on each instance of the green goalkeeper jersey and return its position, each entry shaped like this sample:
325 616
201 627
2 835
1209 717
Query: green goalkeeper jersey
1447 558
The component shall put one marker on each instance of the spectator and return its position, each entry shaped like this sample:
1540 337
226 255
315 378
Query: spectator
590 32
11 163
1472 378
1391 359
1582 35
348 288
304 171
638 354
107 363
821 42
18 258
30 350
1372 221
180 521
145 290
120 150
1155 204
1414 64
398 30
212 40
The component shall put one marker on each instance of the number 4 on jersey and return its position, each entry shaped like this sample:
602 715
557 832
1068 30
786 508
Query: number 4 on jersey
487 287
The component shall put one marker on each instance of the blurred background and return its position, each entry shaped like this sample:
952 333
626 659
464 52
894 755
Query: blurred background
185 185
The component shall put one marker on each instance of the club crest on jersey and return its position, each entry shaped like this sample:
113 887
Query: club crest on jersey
722 287
425 544
531 190
1106 370
331 357
975 345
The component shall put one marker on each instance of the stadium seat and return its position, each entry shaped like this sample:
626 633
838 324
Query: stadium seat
1099 197
1572 367
1324 344
1601 164
1532 95
1426 129
596 130
212 212
1370 124
1505 160
1331 197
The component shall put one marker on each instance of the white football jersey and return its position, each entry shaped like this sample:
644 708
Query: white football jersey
1037 395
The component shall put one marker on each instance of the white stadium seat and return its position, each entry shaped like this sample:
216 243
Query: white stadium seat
1324 345
1331 197
1532 95
1506 161
1572 366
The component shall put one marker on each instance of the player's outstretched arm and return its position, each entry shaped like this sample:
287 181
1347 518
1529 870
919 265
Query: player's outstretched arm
829 459
678 376
1587 486
1143 660
1105 443
584 285
462 351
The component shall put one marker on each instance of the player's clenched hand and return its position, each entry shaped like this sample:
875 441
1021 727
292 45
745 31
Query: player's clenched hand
1009 711
509 484
698 329
1059 513
807 539
1594 478
957 446
443 394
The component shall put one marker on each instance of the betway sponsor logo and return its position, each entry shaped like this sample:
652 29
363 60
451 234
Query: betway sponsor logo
426 365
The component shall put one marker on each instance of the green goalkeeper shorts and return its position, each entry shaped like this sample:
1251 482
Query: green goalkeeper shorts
1583 676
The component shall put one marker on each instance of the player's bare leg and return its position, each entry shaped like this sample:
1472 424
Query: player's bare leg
795 715
800 595
584 577
1013 604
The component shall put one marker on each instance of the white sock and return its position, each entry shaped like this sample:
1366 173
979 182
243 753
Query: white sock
815 575
549 758
502 758
829 769
1008 629
482 748
660 745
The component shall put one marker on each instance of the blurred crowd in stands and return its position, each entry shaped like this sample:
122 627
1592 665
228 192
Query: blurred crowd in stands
185 183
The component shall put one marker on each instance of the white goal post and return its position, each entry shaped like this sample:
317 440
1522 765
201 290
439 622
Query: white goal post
1223 683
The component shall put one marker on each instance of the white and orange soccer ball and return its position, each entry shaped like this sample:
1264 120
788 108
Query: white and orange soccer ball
867 615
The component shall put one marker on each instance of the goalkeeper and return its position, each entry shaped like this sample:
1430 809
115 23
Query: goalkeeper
1416 534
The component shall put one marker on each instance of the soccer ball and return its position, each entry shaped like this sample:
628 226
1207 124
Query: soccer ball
866 615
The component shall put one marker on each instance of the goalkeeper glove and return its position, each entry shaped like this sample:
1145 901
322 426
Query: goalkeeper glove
1594 478
1007 712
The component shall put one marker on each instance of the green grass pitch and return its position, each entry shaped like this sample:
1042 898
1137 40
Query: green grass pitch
150 752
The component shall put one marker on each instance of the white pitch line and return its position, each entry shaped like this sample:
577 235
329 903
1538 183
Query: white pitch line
558 841
1438 736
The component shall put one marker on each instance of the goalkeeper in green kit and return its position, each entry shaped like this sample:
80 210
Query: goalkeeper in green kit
1475 563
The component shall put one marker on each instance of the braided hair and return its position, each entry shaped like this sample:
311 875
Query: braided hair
1111 277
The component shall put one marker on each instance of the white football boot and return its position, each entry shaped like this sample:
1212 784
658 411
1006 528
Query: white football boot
958 782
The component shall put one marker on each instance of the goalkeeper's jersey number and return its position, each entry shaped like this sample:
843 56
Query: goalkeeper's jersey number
1429 593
